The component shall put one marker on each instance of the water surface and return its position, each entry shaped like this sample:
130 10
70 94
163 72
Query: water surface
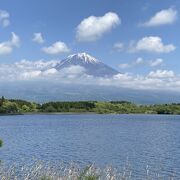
152 140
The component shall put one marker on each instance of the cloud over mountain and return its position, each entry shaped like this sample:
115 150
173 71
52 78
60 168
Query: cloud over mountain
58 47
47 71
161 74
93 27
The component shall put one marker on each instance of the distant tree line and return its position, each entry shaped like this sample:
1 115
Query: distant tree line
12 106
81 106
17 106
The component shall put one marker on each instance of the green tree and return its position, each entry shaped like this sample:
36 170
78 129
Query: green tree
2 100
1 143
25 108
10 107
50 108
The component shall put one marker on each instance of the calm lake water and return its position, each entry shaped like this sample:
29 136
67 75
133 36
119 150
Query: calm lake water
101 139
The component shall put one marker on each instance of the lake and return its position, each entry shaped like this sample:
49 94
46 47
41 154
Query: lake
140 140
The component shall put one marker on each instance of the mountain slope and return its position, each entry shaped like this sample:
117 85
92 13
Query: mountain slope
91 65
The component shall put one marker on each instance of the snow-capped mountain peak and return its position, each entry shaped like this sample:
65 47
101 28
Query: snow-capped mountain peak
91 65
83 57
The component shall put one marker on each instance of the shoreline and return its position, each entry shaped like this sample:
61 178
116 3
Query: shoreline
82 113
11 114
18 107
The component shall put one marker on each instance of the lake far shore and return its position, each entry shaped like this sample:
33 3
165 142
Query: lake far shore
18 107
83 113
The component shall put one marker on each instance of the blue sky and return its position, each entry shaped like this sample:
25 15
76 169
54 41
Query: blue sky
59 20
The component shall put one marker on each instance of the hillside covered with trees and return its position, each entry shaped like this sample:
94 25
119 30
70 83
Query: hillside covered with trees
15 106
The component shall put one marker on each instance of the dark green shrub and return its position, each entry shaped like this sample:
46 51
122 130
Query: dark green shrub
1 143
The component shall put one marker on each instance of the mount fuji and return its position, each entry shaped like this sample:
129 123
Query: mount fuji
44 90
91 65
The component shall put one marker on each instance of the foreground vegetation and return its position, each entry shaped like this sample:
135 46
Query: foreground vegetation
39 171
14 106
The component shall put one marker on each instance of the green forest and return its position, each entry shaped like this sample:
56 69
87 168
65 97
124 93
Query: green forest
17 106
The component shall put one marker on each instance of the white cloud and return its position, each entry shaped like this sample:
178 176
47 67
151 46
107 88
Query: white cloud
38 38
56 48
30 74
24 69
118 46
151 44
36 70
163 17
93 28
161 74
156 62
36 65
141 61
4 18
138 61
74 71
45 71
7 47
15 40
35 74
50 71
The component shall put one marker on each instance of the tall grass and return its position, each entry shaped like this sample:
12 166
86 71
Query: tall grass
40 171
